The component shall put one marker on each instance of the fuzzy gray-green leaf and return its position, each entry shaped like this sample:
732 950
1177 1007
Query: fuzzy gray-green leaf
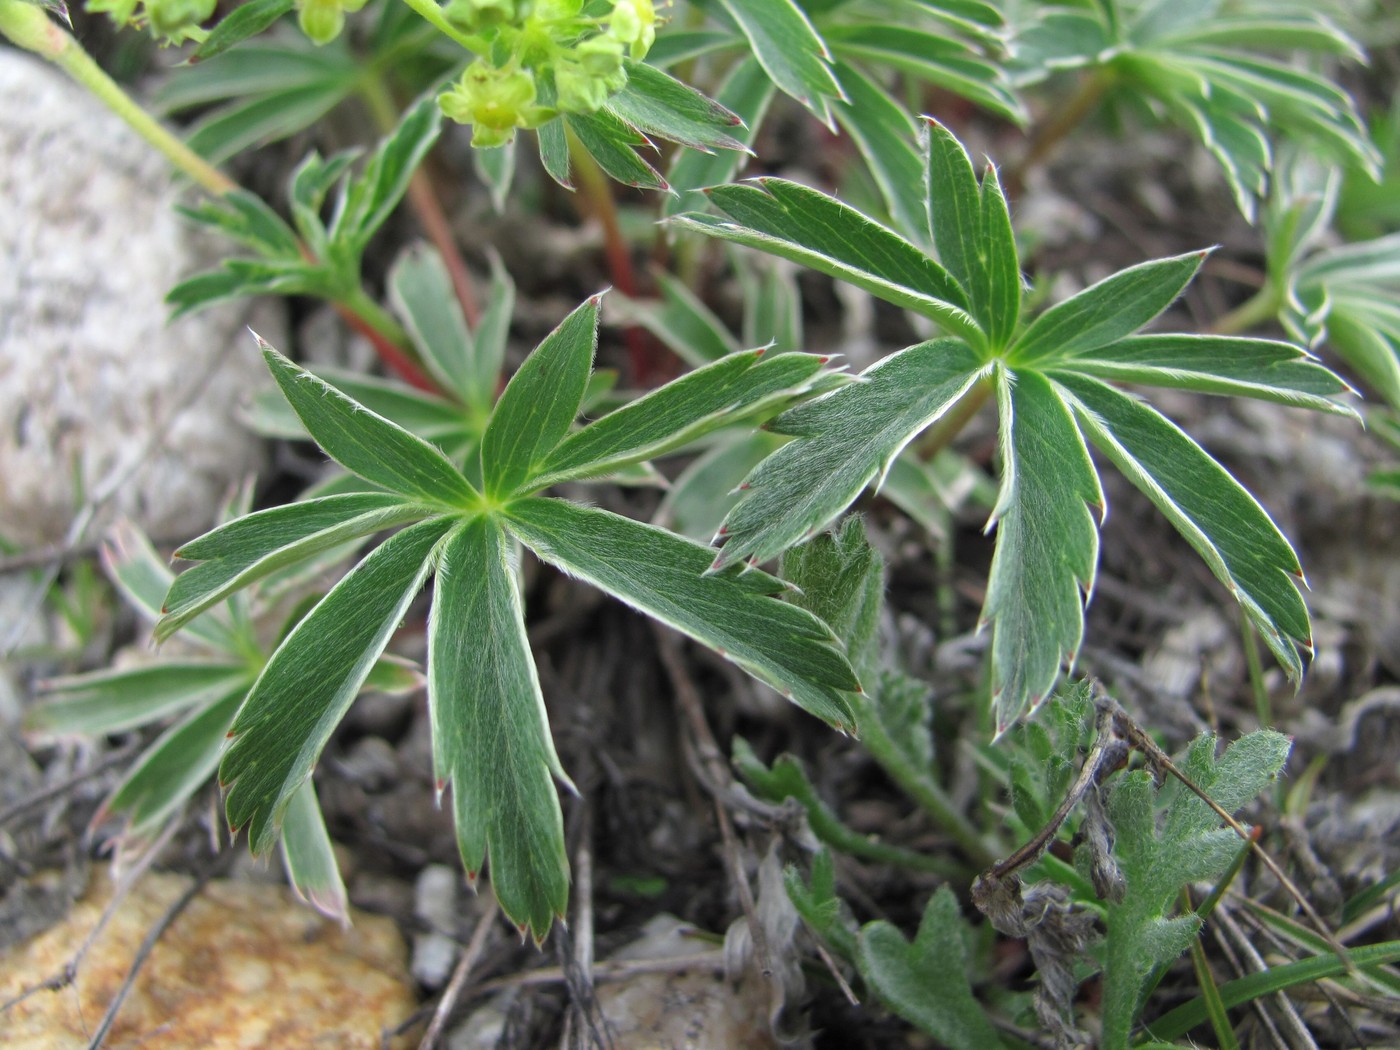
309 855
811 228
926 981
309 682
665 577
1214 364
844 441
256 545
1047 545
491 737
790 50
539 405
367 444
1113 308
679 412
1225 524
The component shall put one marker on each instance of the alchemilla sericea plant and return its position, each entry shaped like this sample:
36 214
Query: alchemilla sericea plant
450 468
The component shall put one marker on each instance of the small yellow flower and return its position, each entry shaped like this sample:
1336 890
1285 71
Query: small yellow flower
494 101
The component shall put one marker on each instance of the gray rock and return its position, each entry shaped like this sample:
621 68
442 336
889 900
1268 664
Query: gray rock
98 393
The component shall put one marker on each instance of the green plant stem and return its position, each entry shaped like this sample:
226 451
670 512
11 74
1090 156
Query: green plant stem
30 27
1067 117
375 323
1263 708
431 13
922 789
941 434
597 192
1210 991
423 197
1260 307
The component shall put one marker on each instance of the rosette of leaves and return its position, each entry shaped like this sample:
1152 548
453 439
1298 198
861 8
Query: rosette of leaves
195 693
491 741
1052 379
1227 72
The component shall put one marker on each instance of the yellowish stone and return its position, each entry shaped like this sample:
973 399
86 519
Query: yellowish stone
245 966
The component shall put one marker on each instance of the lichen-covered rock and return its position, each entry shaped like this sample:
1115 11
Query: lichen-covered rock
244 966
93 380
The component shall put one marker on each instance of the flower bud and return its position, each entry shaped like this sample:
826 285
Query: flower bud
633 23
321 20
494 101
585 76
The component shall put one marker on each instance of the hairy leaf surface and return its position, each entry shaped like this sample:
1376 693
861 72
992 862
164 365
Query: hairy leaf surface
679 412
491 737
666 577
367 444
541 402
1225 524
309 682
844 440
251 547
1047 545
790 50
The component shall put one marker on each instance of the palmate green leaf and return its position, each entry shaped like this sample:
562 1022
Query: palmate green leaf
1212 364
818 231
1105 312
1215 514
115 701
491 737
309 856
174 767
679 412
667 578
790 50
367 444
844 440
540 403
310 680
1047 545
656 103
926 981
1156 858
246 550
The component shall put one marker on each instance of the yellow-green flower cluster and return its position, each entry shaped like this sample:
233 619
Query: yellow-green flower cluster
542 58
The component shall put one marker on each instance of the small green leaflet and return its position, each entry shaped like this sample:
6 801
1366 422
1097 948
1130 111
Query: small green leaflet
490 733
665 577
540 403
1047 545
369 445
1157 856
310 680
844 441
256 545
790 50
